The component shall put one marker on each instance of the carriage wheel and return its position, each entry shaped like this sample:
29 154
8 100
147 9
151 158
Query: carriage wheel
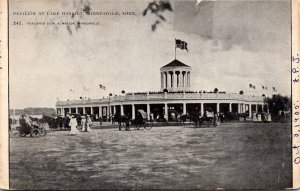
22 134
136 127
43 131
209 123
148 125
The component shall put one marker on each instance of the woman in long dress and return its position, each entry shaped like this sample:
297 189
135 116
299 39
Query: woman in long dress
73 124
83 123
88 123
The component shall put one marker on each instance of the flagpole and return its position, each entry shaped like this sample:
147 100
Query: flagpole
175 48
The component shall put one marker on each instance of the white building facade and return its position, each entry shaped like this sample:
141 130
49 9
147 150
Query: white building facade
175 94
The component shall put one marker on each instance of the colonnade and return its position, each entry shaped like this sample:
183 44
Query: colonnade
175 79
111 109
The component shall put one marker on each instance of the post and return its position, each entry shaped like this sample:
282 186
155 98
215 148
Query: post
184 109
230 107
175 48
122 110
100 111
250 110
218 107
92 111
83 109
63 111
148 111
133 112
166 111
239 108
202 109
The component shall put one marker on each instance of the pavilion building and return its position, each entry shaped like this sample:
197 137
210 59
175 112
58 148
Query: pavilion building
175 95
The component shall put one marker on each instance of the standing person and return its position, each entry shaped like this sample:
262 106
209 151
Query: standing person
88 123
83 123
73 124
28 124
112 119
100 120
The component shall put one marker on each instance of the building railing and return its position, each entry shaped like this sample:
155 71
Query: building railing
163 96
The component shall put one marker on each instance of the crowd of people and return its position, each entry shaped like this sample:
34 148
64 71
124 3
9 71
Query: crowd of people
82 123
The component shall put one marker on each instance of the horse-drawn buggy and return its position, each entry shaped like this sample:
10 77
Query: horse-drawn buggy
141 120
209 118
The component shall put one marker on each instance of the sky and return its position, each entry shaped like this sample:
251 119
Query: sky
230 43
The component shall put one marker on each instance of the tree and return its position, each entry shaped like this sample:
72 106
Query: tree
216 90
278 103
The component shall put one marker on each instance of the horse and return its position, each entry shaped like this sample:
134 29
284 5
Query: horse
193 117
122 119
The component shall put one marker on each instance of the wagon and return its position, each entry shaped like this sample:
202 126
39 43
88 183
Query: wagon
207 119
141 120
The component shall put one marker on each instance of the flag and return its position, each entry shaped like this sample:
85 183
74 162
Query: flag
181 44
102 86
251 86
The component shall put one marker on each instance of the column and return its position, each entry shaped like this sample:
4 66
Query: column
148 111
161 80
179 77
262 108
100 111
250 110
92 110
166 111
122 110
62 111
166 79
114 109
76 109
230 107
202 109
256 108
184 108
239 108
83 109
218 107
188 79
174 79
133 112
170 80
183 79
108 110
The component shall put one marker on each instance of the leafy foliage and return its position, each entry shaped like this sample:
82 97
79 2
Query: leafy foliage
157 8
278 103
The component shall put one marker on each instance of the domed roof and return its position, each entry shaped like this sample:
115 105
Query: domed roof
175 63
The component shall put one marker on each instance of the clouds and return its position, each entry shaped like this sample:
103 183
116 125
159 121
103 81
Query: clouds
252 25
230 44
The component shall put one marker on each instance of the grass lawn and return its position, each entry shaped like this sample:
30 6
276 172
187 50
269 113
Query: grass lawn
232 156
